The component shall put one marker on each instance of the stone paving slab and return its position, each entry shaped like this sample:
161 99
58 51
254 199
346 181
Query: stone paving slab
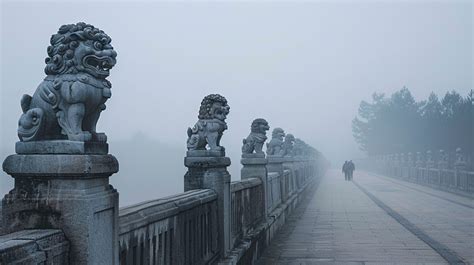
446 218
341 225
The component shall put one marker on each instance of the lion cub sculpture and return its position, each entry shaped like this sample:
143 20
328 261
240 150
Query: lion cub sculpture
257 137
68 102
209 128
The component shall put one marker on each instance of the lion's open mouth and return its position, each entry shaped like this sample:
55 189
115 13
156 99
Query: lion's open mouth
101 65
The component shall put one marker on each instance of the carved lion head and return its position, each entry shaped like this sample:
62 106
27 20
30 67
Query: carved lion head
278 133
79 48
260 126
214 106
289 138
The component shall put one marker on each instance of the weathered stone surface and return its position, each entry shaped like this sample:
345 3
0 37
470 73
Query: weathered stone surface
68 192
205 153
211 173
34 247
256 167
257 137
61 147
206 162
178 229
82 166
287 146
68 102
211 124
274 147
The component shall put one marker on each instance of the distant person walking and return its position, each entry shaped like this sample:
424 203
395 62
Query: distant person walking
350 169
345 170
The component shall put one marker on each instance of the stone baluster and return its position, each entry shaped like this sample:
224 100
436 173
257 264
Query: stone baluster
459 166
207 163
442 166
410 164
62 166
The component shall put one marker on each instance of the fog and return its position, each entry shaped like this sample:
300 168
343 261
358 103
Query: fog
303 66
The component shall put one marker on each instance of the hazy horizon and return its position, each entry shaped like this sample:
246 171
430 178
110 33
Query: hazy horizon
303 66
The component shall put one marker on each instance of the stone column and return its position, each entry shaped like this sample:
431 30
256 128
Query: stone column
289 164
442 166
70 192
208 170
207 163
255 166
62 166
459 165
275 164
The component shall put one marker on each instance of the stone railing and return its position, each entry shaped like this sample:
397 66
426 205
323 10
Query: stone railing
45 246
247 204
178 229
443 173
62 191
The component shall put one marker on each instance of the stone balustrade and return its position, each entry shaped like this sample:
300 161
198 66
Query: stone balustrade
63 210
37 246
442 173
247 204
178 229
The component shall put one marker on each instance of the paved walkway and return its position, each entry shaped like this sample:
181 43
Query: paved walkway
376 220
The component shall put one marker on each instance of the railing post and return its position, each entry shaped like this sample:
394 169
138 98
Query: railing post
442 166
62 166
253 158
69 192
207 169
459 166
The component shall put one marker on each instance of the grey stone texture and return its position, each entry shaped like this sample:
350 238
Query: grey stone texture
62 147
257 137
287 147
275 144
47 246
256 167
211 173
178 229
342 225
67 192
211 124
68 102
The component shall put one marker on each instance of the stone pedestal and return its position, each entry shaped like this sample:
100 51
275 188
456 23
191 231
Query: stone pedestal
208 170
275 164
291 184
70 192
255 166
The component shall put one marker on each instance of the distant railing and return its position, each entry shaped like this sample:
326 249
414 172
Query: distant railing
426 172
179 229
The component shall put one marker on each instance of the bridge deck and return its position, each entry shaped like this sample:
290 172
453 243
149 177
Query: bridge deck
376 220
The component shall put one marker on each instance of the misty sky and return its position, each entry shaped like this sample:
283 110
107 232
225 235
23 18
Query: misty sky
303 66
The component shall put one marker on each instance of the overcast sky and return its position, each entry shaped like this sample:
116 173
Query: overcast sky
303 66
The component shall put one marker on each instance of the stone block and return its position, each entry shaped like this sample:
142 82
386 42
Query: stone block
46 246
67 192
61 147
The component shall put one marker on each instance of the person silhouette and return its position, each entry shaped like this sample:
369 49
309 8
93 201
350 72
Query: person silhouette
350 169
345 170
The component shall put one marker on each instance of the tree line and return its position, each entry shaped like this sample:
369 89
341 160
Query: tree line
400 124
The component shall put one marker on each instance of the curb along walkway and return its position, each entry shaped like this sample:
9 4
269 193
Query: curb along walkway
342 224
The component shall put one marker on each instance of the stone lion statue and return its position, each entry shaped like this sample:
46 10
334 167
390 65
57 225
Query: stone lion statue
298 147
211 124
287 147
274 146
68 102
257 137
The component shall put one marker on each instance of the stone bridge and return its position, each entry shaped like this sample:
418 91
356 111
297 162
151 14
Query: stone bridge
284 210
